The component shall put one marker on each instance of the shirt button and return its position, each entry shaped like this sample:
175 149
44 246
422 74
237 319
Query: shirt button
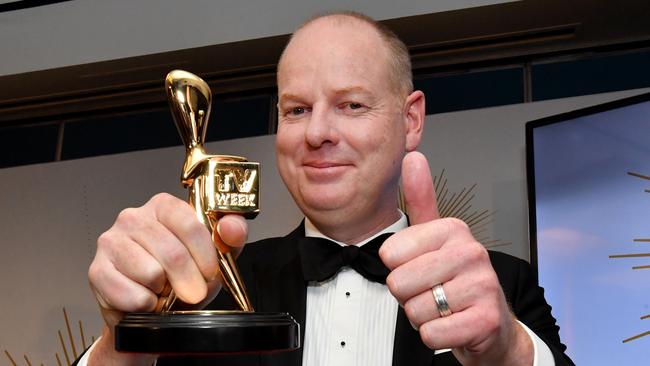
347 294
342 343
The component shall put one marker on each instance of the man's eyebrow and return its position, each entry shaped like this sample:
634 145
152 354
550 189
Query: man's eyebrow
284 97
290 97
352 90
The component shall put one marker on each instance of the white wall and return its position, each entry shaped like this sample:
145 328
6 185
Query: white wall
52 213
83 31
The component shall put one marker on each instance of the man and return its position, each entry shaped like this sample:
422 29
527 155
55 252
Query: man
349 124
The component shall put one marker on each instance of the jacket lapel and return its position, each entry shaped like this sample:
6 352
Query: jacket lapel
408 348
281 288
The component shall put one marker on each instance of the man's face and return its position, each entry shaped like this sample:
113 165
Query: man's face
342 130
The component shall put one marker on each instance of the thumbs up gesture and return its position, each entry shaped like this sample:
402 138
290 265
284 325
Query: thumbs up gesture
479 326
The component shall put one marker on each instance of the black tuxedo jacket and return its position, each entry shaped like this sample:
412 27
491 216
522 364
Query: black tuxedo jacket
273 275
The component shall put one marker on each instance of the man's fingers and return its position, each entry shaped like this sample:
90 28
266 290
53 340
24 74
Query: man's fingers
160 242
415 241
233 230
417 186
116 291
136 263
471 330
179 218
421 273
179 265
456 330
459 293
159 227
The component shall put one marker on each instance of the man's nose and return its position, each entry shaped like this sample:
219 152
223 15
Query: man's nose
321 128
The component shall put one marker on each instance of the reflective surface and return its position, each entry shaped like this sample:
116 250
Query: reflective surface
217 184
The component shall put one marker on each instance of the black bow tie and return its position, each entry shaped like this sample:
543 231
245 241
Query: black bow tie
322 258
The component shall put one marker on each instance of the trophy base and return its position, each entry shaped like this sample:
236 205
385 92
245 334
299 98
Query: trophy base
207 332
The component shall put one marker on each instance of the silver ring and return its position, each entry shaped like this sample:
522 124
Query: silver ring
441 300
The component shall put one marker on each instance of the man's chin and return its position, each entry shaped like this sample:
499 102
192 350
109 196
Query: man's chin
325 204
325 198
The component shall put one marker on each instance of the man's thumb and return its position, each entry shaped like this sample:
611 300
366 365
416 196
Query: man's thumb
417 186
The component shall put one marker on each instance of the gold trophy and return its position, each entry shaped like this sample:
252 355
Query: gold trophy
217 185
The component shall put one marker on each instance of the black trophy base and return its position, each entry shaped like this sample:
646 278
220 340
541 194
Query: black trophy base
207 332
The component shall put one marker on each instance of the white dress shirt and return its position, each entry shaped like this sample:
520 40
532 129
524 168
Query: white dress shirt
350 321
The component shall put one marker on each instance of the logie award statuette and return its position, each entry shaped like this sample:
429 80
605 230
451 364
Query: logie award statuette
217 185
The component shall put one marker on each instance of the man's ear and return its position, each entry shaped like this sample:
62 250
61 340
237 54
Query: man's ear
414 112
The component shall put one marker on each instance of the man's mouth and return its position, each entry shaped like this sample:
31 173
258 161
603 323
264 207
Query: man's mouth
325 170
324 164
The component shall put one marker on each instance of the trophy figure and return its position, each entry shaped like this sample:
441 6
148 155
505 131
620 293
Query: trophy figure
217 185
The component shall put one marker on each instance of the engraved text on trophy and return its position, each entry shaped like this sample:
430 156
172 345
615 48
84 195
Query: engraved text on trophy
232 187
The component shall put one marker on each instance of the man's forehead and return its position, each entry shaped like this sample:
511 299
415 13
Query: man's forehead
328 40
336 55
332 31
339 22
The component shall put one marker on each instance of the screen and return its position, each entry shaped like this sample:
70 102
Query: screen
589 199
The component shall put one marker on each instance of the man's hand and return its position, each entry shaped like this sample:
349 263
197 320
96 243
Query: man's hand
148 246
481 329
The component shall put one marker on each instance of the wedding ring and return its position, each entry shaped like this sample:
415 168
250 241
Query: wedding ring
441 300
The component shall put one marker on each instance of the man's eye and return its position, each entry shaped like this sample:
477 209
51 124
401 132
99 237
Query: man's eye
297 111
355 105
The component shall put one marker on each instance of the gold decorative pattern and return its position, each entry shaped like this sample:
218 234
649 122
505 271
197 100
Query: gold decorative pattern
68 350
459 205
637 255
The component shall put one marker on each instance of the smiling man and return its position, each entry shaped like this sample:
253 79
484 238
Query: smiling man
349 124
345 123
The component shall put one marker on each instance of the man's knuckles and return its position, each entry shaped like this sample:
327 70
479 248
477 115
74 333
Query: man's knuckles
408 244
153 277
407 280
175 258
417 275
179 217
394 287
420 310
451 227
107 241
95 274
129 219
162 202
443 333
139 301
391 251
470 253
117 253
488 321
482 338
113 292
184 224
428 336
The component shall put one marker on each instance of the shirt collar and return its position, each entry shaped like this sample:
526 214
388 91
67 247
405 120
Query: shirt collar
401 223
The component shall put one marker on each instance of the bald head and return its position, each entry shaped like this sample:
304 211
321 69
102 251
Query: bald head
395 54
